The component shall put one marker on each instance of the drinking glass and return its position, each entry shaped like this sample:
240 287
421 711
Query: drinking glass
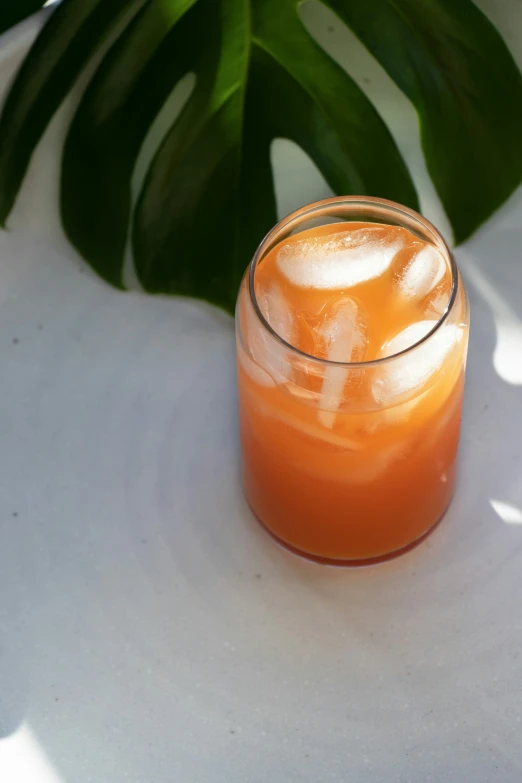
376 482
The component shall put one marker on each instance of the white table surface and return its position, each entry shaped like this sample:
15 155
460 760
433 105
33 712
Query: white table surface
149 631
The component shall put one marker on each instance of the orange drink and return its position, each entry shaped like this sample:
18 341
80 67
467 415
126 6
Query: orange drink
352 329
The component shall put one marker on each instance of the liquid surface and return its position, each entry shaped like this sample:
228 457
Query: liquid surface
349 291
350 463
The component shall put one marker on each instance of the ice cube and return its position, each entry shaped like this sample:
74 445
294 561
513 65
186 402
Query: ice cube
365 470
422 273
411 371
438 299
256 373
264 349
339 260
408 337
344 339
307 427
437 303
277 311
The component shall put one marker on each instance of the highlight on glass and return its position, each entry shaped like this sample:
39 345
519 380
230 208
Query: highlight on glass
352 329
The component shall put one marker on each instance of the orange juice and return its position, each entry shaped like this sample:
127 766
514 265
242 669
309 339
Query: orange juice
351 346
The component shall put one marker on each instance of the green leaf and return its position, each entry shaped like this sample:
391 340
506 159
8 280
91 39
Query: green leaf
64 46
453 65
14 11
208 198
112 120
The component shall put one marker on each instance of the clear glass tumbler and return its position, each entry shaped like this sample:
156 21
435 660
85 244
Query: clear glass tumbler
377 481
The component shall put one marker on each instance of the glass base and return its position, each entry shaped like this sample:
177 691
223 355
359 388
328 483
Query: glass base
358 563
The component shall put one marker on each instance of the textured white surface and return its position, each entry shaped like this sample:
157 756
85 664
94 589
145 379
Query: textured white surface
149 631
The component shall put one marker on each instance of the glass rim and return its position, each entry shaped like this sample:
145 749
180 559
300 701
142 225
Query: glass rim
315 208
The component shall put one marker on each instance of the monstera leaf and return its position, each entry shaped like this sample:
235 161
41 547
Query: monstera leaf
208 195
14 11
